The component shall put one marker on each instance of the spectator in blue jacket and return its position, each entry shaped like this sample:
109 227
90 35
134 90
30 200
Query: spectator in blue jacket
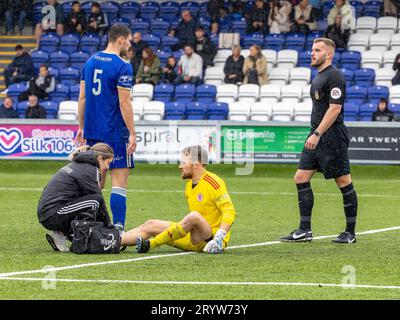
21 68
6 109
13 8
185 31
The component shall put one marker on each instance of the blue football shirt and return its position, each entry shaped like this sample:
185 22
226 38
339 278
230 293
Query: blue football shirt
103 74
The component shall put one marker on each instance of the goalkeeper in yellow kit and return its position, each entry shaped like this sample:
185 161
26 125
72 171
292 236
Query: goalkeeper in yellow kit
207 226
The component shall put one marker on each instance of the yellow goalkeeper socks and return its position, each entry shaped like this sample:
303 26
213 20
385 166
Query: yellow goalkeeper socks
174 232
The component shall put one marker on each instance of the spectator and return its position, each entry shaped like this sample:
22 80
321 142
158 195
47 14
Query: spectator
204 47
383 114
213 9
237 9
76 20
337 34
396 67
149 69
7 111
279 16
97 20
391 8
21 68
13 8
130 56
34 110
185 31
40 86
48 25
255 67
234 67
304 17
190 67
257 19
138 45
343 8
169 71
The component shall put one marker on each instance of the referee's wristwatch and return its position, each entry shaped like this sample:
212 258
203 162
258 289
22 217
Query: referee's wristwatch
316 132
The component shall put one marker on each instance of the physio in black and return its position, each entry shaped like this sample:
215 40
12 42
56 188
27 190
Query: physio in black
75 189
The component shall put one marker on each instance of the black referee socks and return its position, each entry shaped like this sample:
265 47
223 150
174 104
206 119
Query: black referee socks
350 207
306 203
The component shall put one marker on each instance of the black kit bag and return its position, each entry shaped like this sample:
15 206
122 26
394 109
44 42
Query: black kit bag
94 237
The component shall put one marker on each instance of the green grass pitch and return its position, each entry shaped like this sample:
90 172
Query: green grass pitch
266 204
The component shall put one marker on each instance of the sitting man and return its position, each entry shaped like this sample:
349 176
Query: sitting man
35 110
190 67
40 86
21 68
206 228
6 109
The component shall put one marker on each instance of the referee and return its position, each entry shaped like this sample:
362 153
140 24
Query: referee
326 147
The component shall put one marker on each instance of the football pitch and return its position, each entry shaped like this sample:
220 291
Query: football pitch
256 266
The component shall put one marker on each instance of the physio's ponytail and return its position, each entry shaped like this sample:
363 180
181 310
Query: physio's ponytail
100 149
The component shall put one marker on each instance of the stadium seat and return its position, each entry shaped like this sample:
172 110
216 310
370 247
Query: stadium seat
111 9
129 9
153 111
78 59
214 76
103 42
351 110
394 94
49 42
358 6
86 6
295 42
366 111
287 58
371 59
69 42
227 93
239 111
192 6
350 60
220 57
248 93
240 26
254 39
348 76
152 40
90 43
205 23
384 76
169 10
175 111
159 27
206 93
178 54
59 59
163 92
395 108
163 56
387 25
217 111
60 93
261 111
270 93
364 77
300 76
69 76
311 37
142 92
124 21
137 107
388 58
54 72
379 42
356 94
366 25
395 42
39 57
185 92
196 111
68 110
51 108
15 89
291 93
377 92
21 108
274 42
271 57
372 8
306 93
67 6
279 76
302 112
304 59
358 42
167 42
282 111
149 10
140 25
74 92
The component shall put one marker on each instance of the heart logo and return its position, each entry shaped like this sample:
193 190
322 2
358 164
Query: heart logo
10 139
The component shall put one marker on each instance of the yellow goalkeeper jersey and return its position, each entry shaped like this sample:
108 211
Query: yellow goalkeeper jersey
211 199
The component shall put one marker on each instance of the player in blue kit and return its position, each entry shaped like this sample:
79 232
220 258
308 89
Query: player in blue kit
105 112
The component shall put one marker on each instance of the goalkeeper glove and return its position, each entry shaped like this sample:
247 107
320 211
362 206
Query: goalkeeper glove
215 245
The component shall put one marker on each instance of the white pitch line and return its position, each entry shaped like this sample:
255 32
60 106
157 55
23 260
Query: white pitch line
259 193
78 266
209 283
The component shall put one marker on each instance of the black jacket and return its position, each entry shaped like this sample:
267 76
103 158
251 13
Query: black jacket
70 27
383 116
102 22
8 113
396 67
338 36
185 32
234 67
23 64
213 8
79 178
206 50
258 15
37 112
138 49
19 5
169 77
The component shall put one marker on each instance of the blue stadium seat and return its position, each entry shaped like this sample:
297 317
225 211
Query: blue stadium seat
366 111
168 41
351 111
21 108
59 59
196 111
175 111
74 92
67 6
49 42
61 93
336 59
395 108
224 24
375 93
310 39
356 94
149 10
206 93
274 41
159 27
358 6
254 39
348 75
203 13
110 8
217 111
372 8
163 56
169 10
192 6
249 5
295 41
304 59
140 25
205 23
69 42
78 59
240 26
163 92
152 40
327 6
51 108
103 42
54 72
69 76
39 57
177 54
90 43
129 9
350 60
185 92
86 6
124 21
364 77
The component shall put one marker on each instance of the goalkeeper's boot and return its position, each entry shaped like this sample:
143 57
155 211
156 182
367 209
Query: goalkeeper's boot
298 236
345 237
57 241
142 245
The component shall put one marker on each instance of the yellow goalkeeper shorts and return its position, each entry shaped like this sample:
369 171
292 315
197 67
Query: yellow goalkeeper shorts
186 244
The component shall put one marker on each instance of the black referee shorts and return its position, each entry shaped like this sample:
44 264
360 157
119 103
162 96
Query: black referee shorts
331 154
